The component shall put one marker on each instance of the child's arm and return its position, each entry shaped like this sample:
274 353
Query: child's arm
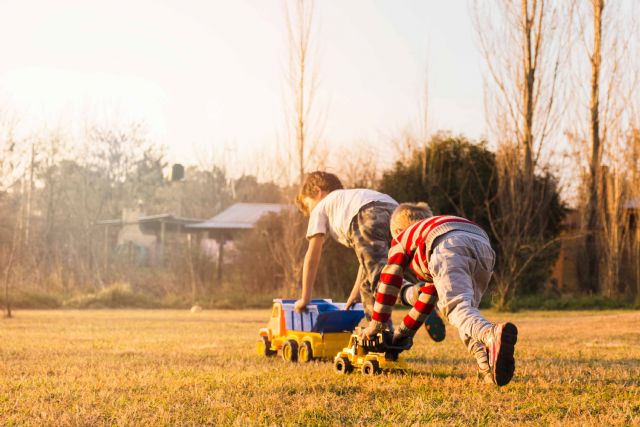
391 278
354 296
309 270
425 304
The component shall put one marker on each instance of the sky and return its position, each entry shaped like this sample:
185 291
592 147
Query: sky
209 76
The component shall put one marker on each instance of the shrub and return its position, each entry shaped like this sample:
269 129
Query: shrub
33 300
117 295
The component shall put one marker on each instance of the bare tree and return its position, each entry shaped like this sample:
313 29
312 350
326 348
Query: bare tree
593 208
413 137
606 34
287 249
358 165
615 221
617 201
11 176
521 221
634 204
304 117
523 52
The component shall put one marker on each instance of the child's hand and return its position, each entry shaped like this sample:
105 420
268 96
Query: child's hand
403 341
372 330
352 301
300 305
368 332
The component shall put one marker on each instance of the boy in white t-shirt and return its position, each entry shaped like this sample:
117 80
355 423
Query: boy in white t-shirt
358 219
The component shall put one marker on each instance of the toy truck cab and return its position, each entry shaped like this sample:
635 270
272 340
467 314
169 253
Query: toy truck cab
319 332
371 355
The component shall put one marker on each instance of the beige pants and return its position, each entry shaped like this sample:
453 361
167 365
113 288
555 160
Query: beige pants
461 264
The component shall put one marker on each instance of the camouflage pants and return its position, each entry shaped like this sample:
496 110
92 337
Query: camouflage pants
370 237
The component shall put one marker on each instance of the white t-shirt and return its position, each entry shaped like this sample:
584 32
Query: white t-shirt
334 213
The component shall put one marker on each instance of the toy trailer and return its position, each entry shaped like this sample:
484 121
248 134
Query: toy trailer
319 332
371 356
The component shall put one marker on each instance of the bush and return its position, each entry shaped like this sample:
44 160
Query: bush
33 300
452 174
117 295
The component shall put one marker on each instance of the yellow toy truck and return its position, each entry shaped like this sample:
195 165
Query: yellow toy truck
372 356
319 332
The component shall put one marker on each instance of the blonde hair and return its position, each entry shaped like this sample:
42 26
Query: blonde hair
409 213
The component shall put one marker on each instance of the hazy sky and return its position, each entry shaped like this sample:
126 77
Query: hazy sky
203 75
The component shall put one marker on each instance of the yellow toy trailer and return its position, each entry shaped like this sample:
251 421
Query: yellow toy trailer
319 332
371 356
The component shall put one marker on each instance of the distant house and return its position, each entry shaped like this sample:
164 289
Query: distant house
231 222
141 236
236 218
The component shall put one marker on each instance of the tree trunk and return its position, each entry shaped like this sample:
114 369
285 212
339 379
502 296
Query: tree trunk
301 106
7 281
527 90
593 211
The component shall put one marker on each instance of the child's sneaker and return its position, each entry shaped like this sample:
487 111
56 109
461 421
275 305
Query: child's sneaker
500 342
434 325
485 376
479 351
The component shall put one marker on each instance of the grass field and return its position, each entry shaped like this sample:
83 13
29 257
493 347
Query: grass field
127 367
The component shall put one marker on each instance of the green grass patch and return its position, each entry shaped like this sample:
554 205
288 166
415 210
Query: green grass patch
569 302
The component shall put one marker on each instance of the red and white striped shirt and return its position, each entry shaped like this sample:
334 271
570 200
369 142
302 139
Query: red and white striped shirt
411 249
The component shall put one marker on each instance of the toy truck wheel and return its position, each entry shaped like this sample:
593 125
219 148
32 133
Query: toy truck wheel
290 351
305 352
264 347
342 365
371 367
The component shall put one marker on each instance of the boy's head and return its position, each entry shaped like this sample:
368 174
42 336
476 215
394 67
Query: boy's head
407 214
315 187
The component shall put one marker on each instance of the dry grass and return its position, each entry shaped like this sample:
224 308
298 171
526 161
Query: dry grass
173 368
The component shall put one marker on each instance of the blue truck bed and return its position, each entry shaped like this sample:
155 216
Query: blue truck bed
321 315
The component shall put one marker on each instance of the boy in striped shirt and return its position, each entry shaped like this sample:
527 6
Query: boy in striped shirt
453 256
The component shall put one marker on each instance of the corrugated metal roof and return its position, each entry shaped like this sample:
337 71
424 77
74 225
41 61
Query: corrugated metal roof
239 216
